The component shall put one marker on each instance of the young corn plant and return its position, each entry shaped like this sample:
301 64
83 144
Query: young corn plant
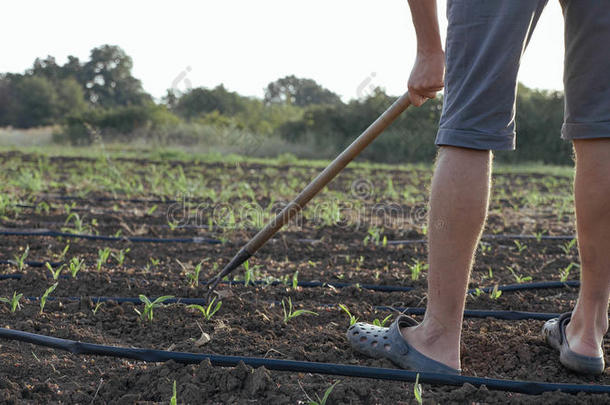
63 253
149 306
564 274
209 311
295 280
75 266
495 293
55 272
289 313
174 399
352 318
520 246
120 256
324 399
383 322
102 257
418 391
45 296
519 278
416 268
20 259
567 247
13 302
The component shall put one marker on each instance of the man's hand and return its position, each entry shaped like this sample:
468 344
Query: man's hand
427 76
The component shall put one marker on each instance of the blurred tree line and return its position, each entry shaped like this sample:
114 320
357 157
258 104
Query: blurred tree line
101 97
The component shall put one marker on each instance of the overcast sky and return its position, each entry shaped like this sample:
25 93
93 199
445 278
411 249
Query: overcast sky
345 45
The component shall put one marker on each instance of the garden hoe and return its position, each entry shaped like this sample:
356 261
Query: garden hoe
312 189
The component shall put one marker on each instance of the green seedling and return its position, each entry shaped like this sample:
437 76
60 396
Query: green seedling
45 296
519 278
477 292
63 253
174 399
417 390
484 247
416 268
173 225
567 247
193 276
565 273
382 323
152 209
149 306
250 273
102 257
352 318
13 302
69 207
75 266
538 236
209 311
152 263
289 313
98 305
42 207
120 256
295 280
495 293
20 259
55 272
322 401
520 246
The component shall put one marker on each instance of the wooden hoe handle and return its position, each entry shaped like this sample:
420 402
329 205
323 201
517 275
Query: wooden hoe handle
296 205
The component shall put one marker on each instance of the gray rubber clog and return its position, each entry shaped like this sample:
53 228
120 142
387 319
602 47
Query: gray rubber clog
554 331
378 342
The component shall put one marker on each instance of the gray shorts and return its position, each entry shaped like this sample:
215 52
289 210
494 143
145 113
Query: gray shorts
485 42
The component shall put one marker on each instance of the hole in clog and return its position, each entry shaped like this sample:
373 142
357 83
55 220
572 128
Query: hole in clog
385 337
374 343
363 339
375 335
355 333
387 346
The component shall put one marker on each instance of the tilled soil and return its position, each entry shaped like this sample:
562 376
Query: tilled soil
250 321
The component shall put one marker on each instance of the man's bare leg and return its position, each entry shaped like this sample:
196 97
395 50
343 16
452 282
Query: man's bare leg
458 208
589 321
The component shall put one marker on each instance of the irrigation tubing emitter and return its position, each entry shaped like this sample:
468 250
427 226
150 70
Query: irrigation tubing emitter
135 239
149 355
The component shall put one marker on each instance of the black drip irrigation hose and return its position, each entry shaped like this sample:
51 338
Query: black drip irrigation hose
135 239
149 355
468 313
373 287
198 239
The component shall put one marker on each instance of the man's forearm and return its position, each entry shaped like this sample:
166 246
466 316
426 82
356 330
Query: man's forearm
425 20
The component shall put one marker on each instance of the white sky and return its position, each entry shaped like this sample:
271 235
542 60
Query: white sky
345 45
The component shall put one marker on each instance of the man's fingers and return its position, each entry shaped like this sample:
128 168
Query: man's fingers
416 99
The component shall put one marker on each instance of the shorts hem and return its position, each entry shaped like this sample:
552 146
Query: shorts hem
570 131
474 140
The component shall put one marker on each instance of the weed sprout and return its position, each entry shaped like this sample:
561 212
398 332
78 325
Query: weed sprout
382 323
495 293
417 390
121 255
